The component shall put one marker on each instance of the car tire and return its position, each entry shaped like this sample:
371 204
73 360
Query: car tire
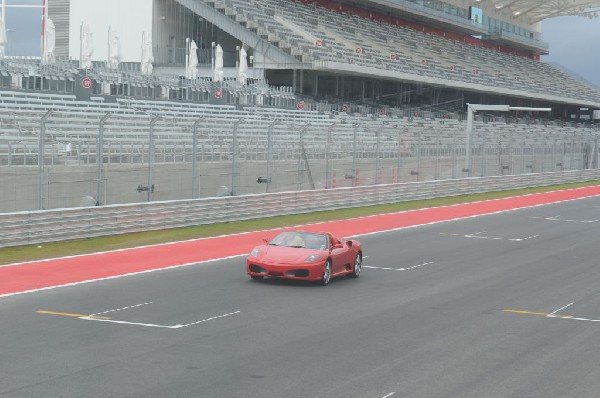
357 266
326 278
256 277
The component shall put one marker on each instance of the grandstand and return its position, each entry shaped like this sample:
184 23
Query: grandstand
339 93
398 53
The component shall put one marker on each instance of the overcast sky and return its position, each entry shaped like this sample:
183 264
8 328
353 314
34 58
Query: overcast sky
574 41
575 44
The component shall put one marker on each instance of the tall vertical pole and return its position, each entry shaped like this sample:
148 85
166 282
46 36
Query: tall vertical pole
419 154
212 59
377 161
195 157
438 153
595 151
470 118
234 149
81 44
151 157
100 156
44 22
354 138
187 57
41 155
399 162
327 160
269 153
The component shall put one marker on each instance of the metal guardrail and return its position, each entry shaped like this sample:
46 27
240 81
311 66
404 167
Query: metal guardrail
36 227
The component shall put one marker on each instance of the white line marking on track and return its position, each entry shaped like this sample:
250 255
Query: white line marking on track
152 325
554 316
398 269
121 309
149 325
557 218
389 395
478 236
560 309
208 319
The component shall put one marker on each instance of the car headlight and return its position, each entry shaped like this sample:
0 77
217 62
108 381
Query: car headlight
254 253
312 258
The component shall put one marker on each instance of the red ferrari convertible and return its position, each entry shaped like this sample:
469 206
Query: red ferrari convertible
305 256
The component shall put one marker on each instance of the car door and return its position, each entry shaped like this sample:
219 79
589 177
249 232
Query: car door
339 255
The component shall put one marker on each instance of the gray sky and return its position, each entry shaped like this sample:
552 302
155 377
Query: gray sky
574 41
575 44
24 28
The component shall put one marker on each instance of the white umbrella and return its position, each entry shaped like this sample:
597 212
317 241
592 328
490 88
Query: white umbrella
192 72
49 42
2 37
87 47
218 73
147 56
243 70
114 56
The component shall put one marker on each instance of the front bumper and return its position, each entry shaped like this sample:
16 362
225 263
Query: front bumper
308 271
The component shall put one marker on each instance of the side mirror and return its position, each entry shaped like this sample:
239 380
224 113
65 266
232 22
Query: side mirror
349 243
266 241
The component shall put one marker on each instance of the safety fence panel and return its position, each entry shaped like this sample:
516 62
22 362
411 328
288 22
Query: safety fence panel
34 227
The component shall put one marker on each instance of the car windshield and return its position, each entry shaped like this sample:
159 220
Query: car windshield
300 240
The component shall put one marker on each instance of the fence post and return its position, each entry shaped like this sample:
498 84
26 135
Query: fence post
327 160
572 151
377 150
484 154
523 155
150 187
195 157
100 156
269 153
454 153
305 157
419 153
41 155
354 138
234 155
595 151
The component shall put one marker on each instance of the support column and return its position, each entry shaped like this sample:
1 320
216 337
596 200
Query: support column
294 80
363 89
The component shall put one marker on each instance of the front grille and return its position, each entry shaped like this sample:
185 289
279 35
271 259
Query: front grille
299 273
256 269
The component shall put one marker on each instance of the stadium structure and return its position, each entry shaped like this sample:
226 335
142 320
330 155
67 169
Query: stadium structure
340 93
382 53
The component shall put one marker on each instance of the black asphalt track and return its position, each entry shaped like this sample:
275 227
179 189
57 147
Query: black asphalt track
504 305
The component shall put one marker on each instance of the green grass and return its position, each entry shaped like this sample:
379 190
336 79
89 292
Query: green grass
81 246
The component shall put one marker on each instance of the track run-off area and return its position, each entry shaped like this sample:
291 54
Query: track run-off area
496 298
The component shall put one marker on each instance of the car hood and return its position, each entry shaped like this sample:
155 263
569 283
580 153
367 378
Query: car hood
293 255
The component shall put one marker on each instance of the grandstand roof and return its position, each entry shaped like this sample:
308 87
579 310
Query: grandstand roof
538 10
